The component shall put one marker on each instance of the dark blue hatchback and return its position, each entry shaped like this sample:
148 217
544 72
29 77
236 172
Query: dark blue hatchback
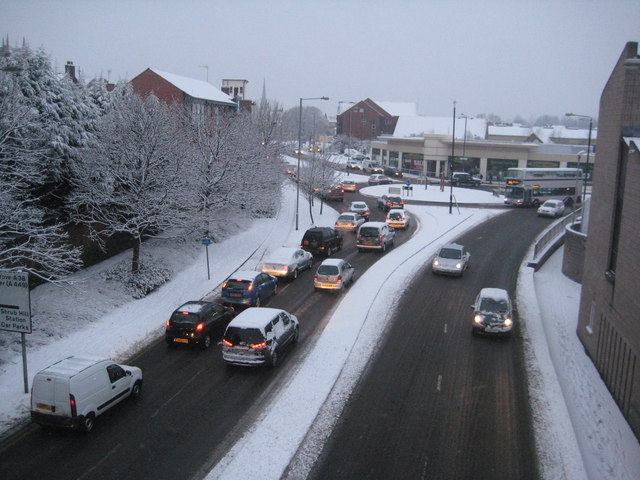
248 288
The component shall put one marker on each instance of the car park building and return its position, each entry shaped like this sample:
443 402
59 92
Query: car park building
608 323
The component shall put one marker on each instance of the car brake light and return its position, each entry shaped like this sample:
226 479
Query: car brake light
259 346
224 285
339 278
315 279
168 324
250 287
72 404
380 238
199 327
227 342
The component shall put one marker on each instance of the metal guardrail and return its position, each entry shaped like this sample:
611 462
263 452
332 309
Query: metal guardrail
554 232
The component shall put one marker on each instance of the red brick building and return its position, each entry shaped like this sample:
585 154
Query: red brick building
368 119
609 318
195 95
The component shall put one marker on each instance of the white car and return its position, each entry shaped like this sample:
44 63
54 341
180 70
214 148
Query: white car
451 259
551 208
287 262
334 274
349 221
492 312
360 208
398 218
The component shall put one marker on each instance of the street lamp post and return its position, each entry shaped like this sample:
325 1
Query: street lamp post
299 150
453 146
349 148
586 169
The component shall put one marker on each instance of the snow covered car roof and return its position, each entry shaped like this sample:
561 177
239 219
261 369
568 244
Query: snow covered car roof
281 255
255 317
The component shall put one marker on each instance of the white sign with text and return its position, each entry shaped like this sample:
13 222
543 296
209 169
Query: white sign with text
15 304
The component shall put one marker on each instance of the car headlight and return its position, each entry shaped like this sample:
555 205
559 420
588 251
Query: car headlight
478 319
458 265
508 322
436 263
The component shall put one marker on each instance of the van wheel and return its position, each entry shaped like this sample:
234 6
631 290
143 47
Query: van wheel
206 342
88 422
274 358
136 390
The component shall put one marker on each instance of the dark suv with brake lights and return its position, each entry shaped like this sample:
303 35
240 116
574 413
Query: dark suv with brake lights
321 241
195 323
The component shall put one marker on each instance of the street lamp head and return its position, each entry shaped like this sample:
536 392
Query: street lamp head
324 98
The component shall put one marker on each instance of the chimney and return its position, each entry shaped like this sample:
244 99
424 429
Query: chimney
70 70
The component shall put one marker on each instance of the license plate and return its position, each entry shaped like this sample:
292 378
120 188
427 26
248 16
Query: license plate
41 406
181 340
368 243
236 294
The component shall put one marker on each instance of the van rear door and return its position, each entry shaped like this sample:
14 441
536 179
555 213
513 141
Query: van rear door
50 394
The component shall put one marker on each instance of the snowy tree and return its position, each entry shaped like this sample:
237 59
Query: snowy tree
67 120
314 123
316 174
130 180
27 241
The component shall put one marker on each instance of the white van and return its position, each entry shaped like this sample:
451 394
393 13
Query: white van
372 167
73 392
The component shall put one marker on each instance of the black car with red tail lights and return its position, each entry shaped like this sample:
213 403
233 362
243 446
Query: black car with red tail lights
196 323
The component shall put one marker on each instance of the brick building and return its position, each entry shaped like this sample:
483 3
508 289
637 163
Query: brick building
609 318
368 119
195 95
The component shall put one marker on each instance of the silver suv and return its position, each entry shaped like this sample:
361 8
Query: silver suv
258 335
375 236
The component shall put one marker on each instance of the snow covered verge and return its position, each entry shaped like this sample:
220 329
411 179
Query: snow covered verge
580 430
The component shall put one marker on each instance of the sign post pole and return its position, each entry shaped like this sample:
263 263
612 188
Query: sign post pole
15 310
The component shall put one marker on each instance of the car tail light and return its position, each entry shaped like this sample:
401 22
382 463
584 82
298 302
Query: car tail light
227 342
339 278
168 324
259 346
250 287
315 278
199 327
380 238
224 285
72 404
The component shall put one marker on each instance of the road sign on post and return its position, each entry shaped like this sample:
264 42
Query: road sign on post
206 241
15 310
15 305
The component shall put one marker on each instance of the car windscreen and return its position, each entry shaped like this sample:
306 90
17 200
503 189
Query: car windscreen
345 218
395 199
328 270
453 253
369 232
494 305
395 216
238 284
243 336
360 205
550 203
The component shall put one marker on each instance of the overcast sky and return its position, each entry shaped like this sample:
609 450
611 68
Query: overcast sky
505 57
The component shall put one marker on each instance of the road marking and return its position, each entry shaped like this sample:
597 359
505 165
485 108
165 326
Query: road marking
112 451
439 384
445 328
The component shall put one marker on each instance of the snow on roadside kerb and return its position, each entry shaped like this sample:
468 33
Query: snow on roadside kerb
267 448
556 443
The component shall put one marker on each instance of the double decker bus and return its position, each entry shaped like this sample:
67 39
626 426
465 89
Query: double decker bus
533 186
